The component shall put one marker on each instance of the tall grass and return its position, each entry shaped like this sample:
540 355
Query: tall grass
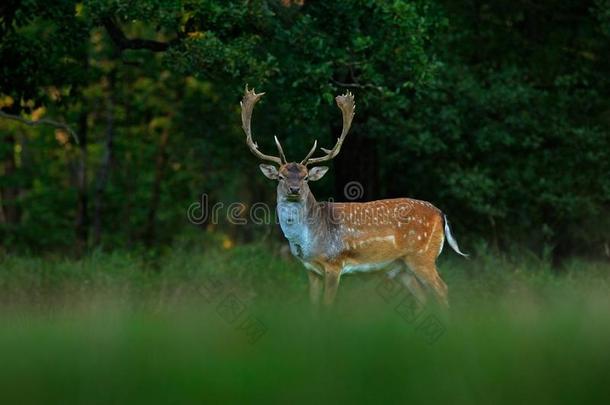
116 328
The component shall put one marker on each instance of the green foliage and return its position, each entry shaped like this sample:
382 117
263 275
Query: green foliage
110 328
43 45
496 112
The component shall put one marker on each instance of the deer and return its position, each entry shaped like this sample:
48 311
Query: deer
400 236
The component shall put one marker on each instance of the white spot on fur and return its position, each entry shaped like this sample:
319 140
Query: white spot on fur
363 267
389 238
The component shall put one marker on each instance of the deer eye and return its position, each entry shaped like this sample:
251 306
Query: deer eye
306 178
281 177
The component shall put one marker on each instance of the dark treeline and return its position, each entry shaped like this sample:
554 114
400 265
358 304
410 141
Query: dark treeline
495 111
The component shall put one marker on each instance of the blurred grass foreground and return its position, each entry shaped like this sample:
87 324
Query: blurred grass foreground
235 325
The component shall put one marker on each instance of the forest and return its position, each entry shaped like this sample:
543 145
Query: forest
141 257
496 112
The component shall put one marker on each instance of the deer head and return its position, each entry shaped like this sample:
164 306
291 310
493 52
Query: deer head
293 177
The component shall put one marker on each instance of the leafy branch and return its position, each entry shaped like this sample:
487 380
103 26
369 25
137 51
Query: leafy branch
43 121
122 42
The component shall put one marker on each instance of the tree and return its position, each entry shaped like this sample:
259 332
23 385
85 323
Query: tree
497 112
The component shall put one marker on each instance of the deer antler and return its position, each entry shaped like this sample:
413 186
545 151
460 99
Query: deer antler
247 105
313 149
346 103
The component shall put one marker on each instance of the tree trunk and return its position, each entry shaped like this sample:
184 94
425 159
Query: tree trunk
2 214
161 163
105 166
9 211
82 216
356 169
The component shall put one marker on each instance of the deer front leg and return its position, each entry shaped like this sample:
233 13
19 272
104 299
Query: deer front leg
315 288
331 283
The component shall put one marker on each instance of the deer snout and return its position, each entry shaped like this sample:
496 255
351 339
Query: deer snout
294 190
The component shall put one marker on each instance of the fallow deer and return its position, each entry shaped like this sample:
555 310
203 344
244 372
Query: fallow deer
402 236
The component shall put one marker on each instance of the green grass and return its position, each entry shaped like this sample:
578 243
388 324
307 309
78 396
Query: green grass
116 328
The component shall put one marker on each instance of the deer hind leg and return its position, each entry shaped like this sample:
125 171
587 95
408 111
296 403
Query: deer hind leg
400 271
409 280
428 275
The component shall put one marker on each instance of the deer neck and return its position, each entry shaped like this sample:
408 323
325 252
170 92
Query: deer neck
301 224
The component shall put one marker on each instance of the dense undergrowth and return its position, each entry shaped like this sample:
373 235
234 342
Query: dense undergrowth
234 324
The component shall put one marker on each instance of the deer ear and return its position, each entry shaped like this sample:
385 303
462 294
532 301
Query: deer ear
316 173
269 171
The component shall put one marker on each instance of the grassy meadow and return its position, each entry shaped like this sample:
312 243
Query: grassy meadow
235 325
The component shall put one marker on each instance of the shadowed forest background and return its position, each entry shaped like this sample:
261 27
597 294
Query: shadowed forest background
116 116
496 112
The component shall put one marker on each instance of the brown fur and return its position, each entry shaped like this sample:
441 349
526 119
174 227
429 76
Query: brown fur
405 230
